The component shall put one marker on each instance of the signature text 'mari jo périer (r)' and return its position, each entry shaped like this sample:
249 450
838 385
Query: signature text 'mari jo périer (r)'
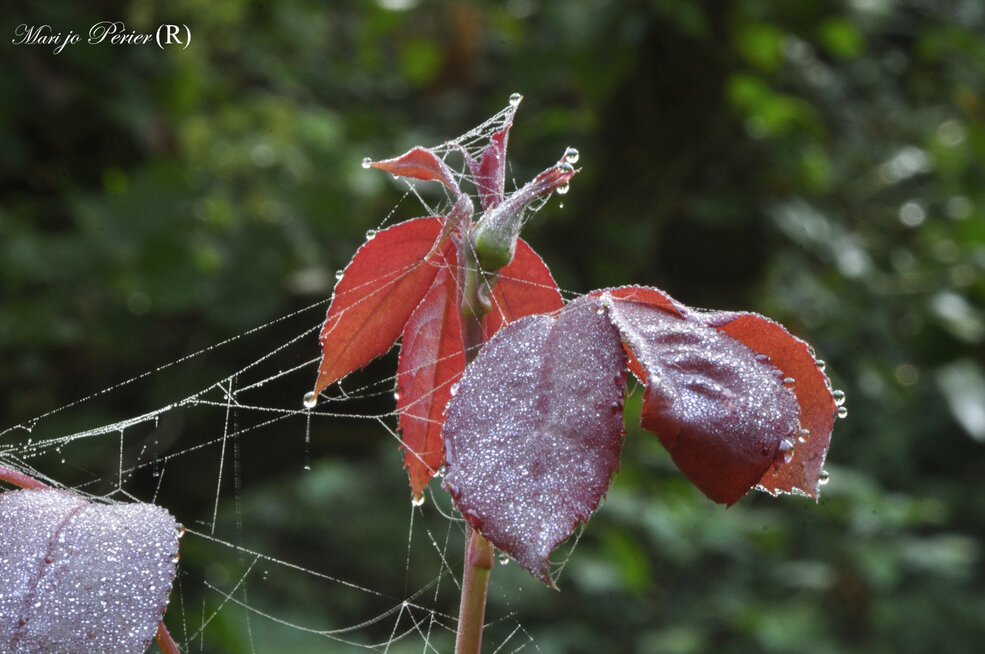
104 32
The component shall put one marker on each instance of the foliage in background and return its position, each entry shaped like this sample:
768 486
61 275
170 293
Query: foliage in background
820 162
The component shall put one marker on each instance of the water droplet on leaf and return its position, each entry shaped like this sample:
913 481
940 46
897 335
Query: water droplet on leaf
370 234
310 400
515 99
823 477
571 155
367 162
789 382
564 188
785 452
821 365
839 397
802 436
842 411
338 275
417 501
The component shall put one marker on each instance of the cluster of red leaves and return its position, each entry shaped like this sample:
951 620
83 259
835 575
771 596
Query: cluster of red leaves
534 434
405 282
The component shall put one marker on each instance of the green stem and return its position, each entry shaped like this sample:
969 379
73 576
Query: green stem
479 555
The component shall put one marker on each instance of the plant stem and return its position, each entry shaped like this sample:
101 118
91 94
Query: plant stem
165 641
479 556
475 582
21 480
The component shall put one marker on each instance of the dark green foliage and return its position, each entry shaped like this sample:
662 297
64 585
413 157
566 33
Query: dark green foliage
818 162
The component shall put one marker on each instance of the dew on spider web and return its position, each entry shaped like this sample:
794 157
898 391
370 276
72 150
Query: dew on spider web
243 467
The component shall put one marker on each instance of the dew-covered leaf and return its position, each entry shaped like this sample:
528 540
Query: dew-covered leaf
534 433
721 410
419 163
432 358
524 287
794 357
381 286
644 295
78 577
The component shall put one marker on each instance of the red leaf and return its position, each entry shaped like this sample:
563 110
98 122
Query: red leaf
721 410
82 577
419 163
534 433
489 173
645 295
648 295
817 406
385 280
432 358
524 287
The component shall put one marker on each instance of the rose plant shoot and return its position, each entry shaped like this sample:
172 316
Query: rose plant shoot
518 396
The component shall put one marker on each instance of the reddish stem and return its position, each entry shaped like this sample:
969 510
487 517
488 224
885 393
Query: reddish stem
165 641
21 480
475 583
478 551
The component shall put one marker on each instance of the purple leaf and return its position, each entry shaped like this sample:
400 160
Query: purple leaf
721 410
534 432
802 473
79 577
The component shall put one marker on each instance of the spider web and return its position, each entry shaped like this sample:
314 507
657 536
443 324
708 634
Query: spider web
266 559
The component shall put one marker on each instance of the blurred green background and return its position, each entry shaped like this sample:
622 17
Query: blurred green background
820 162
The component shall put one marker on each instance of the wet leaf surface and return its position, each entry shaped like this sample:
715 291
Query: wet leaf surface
79 577
525 286
794 357
534 433
379 289
419 163
722 413
432 358
727 408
